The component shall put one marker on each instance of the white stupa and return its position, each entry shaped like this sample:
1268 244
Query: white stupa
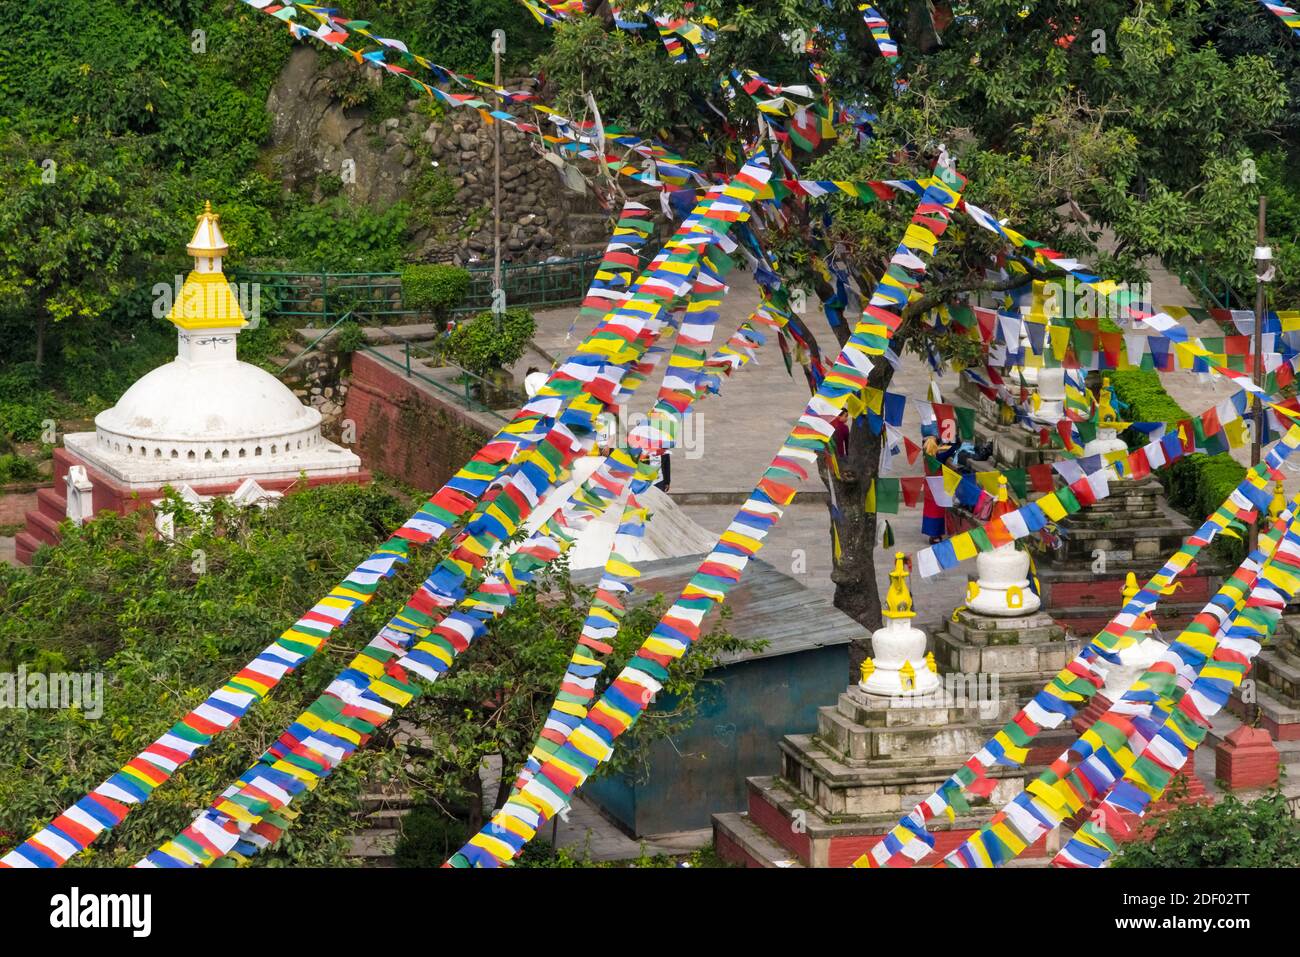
205 417
899 665
1001 587
669 532
1137 659
1049 407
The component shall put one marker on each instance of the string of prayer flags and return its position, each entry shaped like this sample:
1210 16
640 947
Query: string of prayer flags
1085 482
572 138
619 264
1186 714
1284 13
632 691
879 28
1079 680
386 681
529 435
1106 752
578 686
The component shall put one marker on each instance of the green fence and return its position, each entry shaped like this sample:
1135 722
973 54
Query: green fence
322 297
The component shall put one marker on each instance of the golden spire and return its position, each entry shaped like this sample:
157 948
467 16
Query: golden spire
1107 415
206 301
1144 621
868 666
1278 503
207 240
898 600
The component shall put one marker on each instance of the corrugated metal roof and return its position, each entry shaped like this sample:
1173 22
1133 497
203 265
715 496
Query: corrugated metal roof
766 603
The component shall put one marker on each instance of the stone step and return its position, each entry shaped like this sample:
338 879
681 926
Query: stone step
857 791
855 744
43 528
1281 677
739 840
820 839
1280 718
25 545
374 846
52 503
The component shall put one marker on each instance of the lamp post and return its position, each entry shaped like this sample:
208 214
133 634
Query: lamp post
1263 275
498 48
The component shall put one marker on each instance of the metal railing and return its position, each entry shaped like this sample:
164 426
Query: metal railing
322 297
466 378
1212 288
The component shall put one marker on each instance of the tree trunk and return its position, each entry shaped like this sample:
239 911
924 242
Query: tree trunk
920 27
474 785
41 320
854 573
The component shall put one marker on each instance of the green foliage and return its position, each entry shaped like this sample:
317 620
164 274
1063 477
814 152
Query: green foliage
262 345
460 35
15 468
428 837
1196 484
21 421
341 236
1145 396
350 338
539 854
1261 833
434 287
487 342
166 623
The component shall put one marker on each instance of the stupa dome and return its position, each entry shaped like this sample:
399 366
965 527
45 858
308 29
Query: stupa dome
206 411
205 416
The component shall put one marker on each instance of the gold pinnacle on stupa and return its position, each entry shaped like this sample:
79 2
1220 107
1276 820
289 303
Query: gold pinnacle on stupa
1107 414
1144 621
898 600
1278 504
206 300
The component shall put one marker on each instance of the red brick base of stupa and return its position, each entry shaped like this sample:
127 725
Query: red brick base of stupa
110 494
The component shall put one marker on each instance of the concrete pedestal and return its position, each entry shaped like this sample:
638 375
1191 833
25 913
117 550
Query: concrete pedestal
873 759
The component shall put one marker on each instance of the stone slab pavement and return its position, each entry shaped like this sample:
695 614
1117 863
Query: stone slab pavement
738 431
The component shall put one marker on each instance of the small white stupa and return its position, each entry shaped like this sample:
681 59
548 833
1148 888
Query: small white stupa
1049 404
1135 660
1002 586
900 665
1109 425
669 531
205 417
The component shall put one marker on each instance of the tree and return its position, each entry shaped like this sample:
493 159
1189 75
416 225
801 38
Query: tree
75 216
164 624
1060 104
1261 833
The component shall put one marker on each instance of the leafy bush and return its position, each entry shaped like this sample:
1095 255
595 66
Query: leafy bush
350 338
1196 484
339 235
429 836
1228 834
434 287
21 421
479 346
15 468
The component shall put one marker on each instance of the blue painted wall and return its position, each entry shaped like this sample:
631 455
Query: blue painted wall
734 736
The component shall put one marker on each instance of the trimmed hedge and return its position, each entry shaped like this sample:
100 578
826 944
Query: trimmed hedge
478 344
434 288
1196 484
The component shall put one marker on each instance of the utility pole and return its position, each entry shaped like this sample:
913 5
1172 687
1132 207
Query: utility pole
498 48
1263 275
